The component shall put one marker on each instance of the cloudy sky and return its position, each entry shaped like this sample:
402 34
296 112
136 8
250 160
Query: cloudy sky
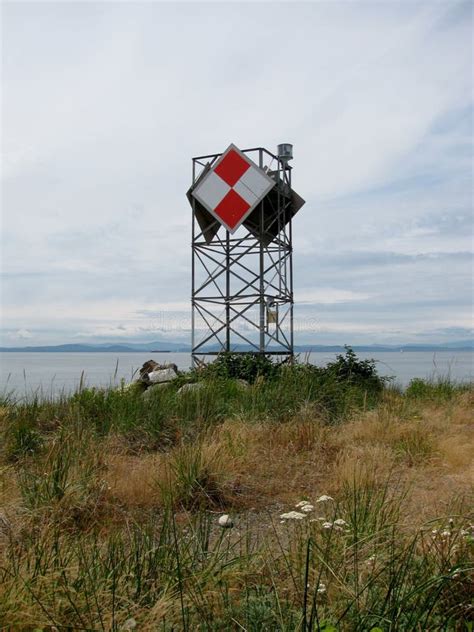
104 104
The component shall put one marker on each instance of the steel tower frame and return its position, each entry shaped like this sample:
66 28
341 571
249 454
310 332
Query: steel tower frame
242 286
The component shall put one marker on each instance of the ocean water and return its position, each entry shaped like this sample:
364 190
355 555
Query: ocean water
49 374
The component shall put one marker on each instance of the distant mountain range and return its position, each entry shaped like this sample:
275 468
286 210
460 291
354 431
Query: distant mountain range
129 347
164 347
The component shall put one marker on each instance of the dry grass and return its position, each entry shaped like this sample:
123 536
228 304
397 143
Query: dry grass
258 464
249 469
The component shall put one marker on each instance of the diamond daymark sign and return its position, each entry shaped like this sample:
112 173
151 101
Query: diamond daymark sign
233 188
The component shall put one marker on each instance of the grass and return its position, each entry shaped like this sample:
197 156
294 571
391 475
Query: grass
109 505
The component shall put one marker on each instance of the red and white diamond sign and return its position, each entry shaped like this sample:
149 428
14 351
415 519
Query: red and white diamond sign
233 188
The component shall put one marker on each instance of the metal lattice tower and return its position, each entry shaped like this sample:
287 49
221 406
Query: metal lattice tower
242 282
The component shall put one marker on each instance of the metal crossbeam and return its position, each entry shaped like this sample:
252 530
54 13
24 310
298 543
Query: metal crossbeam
242 286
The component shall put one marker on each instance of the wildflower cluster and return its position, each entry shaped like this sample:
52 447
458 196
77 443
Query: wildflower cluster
304 508
448 533
448 544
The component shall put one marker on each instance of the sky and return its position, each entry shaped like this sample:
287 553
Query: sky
104 104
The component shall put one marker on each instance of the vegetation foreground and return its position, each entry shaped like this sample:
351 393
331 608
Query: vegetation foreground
350 504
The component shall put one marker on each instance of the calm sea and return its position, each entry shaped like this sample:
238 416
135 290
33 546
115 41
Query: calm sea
52 373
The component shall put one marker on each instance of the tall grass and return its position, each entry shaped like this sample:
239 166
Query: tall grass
159 420
166 575
77 554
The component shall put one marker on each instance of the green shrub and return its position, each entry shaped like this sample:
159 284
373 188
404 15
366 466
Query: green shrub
244 366
349 368
440 389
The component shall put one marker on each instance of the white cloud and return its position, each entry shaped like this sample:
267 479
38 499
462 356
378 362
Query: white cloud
329 296
104 105
20 334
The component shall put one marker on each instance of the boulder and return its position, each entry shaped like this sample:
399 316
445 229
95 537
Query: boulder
161 375
149 366
133 386
190 388
153 389
153 373
170 365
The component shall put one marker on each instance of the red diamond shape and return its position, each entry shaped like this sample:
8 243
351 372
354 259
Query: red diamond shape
231 209
232 167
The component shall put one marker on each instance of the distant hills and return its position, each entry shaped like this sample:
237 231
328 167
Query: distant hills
164 347
106 347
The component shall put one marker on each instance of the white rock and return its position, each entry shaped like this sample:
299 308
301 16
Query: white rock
225 521
162 375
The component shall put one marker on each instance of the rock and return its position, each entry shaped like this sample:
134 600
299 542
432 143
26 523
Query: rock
189 388
153 389
161 375
225 521
152 372
170 365
133 386
149 366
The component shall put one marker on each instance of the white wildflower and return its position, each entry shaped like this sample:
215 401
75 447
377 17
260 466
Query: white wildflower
324 498
446 534
302 503
307 508
371 561
327 525
130 624
340 522
321 588
293 515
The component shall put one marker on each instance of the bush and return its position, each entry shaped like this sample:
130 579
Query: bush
441 389
244 366
349 368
